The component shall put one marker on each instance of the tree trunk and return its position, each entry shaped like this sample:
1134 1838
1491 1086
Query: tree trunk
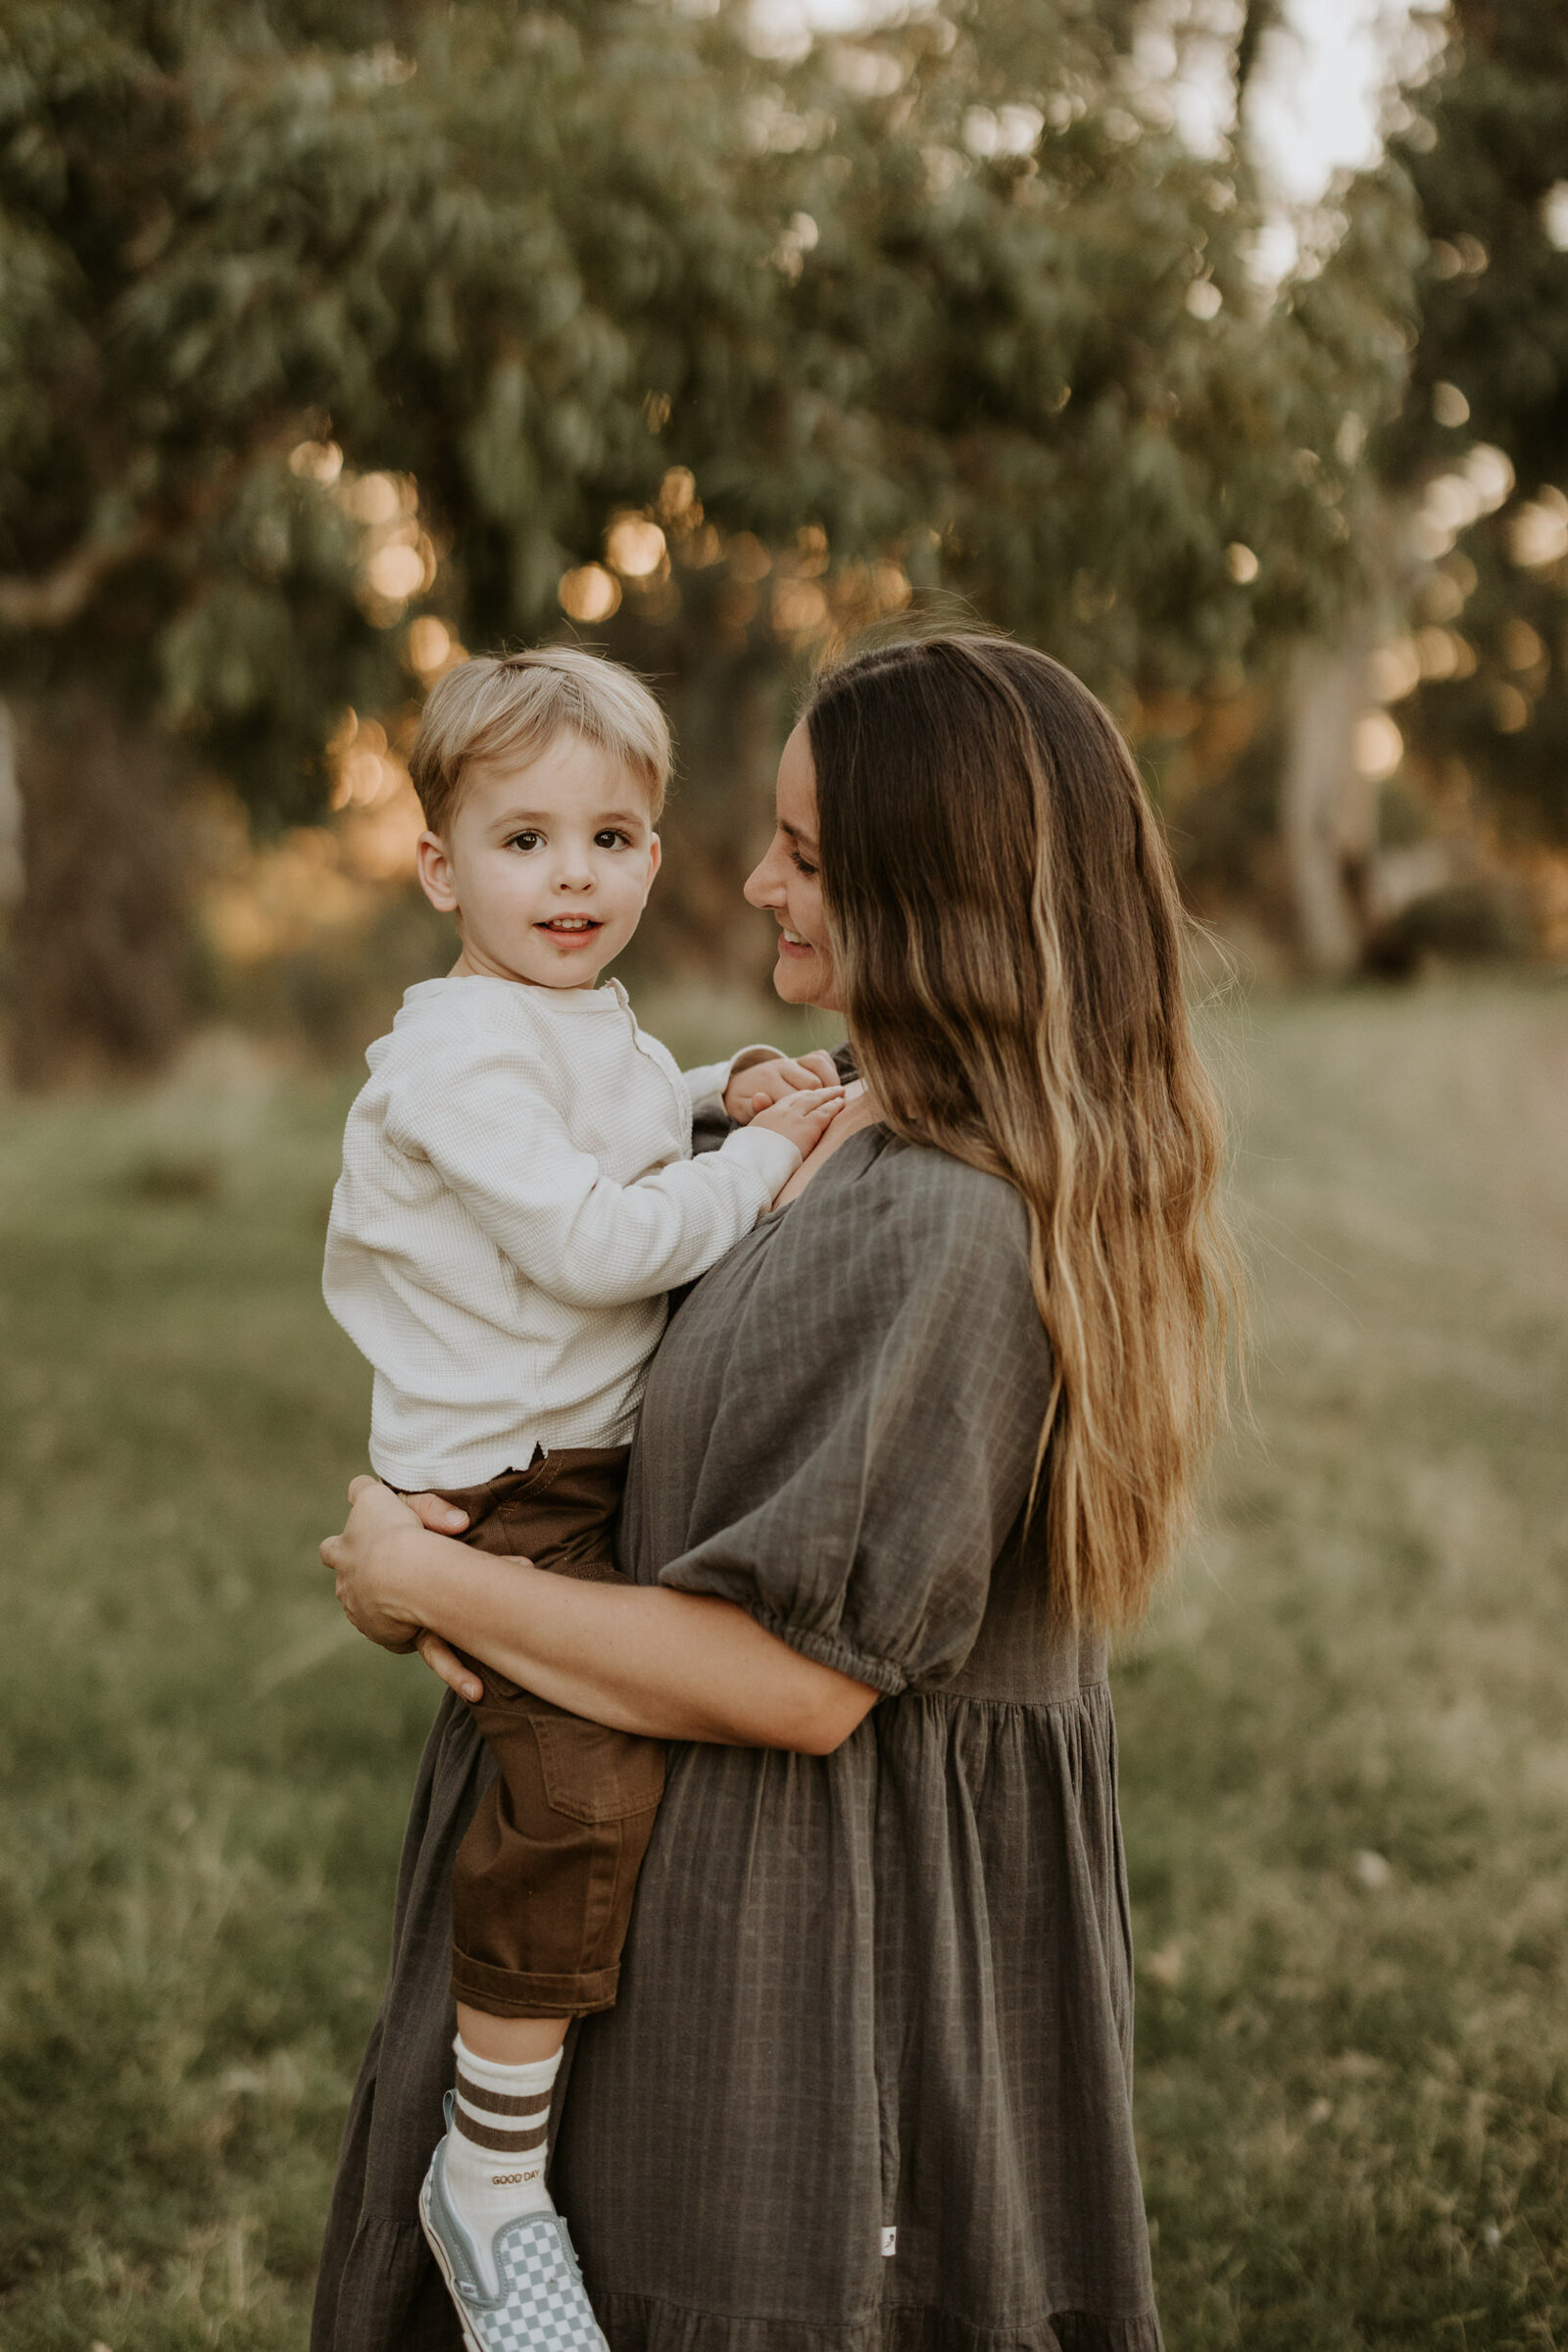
1328 812
100 944
10 817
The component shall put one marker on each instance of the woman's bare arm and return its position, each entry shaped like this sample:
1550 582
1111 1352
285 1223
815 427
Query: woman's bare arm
669 1665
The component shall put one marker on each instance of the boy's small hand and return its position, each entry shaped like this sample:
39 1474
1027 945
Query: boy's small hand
765 1082
803 1115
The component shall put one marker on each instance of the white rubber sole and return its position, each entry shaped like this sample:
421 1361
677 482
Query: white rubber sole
432 2238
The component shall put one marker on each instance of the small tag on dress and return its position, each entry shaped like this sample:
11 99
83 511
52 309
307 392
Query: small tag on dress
890 2241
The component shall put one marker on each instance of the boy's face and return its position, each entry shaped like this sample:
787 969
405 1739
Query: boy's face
548 865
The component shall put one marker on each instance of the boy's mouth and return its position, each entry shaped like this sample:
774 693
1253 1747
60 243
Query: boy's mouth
571 926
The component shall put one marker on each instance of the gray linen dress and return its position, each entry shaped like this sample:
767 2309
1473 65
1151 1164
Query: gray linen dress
867 2083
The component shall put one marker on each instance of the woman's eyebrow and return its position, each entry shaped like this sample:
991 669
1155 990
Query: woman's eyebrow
801 840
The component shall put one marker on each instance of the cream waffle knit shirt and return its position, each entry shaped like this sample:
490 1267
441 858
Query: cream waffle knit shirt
517 1196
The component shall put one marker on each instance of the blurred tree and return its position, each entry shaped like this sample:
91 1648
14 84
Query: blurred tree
1129 445
1201 506
1277 813
1030 359
225 233
1486 148
303 300
1465 549
171 591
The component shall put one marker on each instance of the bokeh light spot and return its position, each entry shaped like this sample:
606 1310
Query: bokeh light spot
1379 746
429 644
396 573
590 593
635 546
316 460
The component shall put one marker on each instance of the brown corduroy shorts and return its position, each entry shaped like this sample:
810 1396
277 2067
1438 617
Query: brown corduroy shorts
543 1881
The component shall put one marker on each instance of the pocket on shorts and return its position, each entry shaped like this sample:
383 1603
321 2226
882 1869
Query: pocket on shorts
592 1773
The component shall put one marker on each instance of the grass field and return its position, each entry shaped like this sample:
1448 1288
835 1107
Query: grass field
1344 1739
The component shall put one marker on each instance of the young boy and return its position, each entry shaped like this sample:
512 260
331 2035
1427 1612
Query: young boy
518 1196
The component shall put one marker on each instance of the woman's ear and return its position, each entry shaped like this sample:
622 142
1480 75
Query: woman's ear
434 869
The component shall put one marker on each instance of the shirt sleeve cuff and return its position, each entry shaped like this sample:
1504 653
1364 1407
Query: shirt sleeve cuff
773 1157
712 1077
823 1650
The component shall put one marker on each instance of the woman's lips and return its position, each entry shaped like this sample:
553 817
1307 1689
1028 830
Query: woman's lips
790 943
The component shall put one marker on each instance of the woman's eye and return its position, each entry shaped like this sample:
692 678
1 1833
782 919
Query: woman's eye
799 864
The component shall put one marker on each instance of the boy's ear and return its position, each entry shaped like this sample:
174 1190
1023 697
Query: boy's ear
654 853
435 873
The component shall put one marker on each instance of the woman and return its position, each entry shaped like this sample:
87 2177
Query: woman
907 1455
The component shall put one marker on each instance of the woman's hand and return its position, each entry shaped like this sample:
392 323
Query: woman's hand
666 1665
762 1083
446 1665
366 1561
347 1555
444 1519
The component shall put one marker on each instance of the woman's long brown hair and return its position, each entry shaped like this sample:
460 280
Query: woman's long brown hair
1010 938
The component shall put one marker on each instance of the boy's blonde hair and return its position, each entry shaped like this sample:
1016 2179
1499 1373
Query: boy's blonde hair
512 706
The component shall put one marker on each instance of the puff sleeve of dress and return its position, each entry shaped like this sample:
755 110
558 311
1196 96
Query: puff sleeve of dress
899 1419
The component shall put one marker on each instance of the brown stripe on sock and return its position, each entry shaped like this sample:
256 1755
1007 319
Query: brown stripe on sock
497 2102
504 2143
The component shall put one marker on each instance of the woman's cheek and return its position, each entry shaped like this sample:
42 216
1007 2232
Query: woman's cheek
795 975
805 976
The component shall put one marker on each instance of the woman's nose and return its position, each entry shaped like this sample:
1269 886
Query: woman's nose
762 887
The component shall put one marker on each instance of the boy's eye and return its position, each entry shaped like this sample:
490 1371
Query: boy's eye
524 841
611 839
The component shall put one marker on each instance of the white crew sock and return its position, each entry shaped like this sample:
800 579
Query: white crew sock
494 2151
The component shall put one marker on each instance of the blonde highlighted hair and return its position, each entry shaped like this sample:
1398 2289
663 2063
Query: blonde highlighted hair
511 708
1006 927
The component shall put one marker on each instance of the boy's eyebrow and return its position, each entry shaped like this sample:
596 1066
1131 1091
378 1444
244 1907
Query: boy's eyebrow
548 816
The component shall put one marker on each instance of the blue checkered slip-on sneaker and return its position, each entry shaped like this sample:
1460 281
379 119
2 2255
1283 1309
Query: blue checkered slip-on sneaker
533 2299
